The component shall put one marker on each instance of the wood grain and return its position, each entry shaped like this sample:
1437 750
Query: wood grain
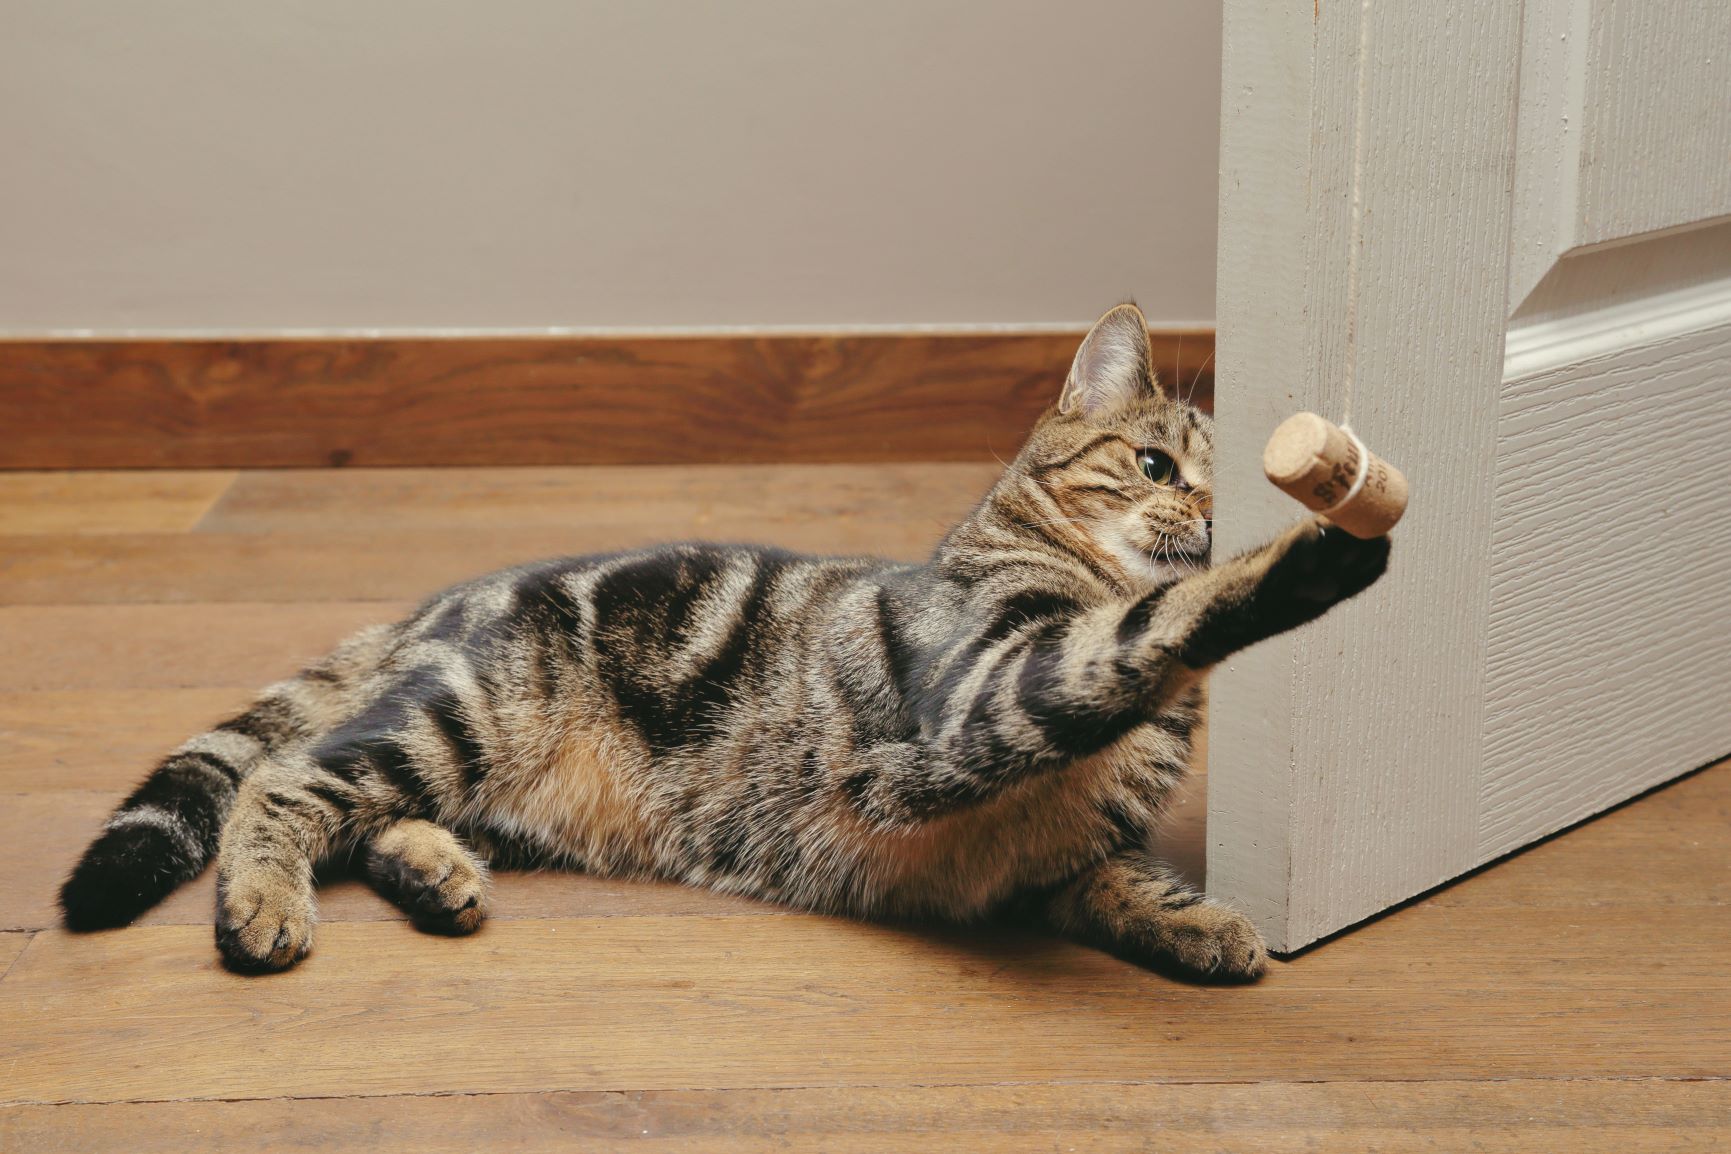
94 739
164 501
1515 1117
386 566
1664 847
663 1003
536 400
11 945
244 644
1551 635
404 533
674 501
1613 146
669 499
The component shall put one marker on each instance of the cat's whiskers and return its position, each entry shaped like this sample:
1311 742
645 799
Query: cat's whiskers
1178 365
1197 379
1166 550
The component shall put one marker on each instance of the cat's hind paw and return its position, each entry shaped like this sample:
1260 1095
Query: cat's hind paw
423 868
264 919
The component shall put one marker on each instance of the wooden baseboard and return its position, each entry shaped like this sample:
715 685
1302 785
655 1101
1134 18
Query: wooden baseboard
99 404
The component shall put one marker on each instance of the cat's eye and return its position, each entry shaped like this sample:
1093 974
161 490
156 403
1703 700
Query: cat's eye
1156 466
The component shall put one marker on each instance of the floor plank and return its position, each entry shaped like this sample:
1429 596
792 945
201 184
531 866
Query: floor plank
160 501
1664 848
101 739
402 534
243 644
671 1003
41 836
717 501
11 945
1516 1117
388 565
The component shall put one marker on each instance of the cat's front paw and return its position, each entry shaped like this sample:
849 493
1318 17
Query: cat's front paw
1213 941
1296 579
1322 566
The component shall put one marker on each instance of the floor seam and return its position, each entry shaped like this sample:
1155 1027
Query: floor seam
29 940
1632 1079
221 496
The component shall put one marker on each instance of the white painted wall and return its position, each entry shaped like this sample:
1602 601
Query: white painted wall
354 164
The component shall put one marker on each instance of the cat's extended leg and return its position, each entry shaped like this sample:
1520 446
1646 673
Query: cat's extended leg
1294 579
1039 682
433 876
284 821
1136 907
404 756
169 828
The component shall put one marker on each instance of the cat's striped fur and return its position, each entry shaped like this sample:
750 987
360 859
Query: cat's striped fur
996 728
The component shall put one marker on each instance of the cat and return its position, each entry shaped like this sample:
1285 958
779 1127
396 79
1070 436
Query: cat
993 731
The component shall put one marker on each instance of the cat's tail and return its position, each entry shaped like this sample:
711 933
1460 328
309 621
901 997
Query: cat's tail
168 829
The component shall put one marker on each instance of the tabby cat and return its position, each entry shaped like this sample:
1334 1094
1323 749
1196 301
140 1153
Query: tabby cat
995 730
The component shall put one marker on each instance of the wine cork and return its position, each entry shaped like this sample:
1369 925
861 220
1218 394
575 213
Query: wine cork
1318 463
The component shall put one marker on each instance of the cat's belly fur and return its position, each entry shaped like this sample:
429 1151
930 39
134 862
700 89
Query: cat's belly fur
599 801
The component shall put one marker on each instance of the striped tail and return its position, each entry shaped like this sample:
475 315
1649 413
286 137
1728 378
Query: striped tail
167 830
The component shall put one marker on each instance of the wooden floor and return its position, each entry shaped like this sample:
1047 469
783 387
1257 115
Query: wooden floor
1574 998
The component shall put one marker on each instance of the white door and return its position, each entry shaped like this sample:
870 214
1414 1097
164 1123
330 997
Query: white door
1496 237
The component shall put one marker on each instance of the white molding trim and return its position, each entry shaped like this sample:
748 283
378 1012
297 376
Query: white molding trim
1544 346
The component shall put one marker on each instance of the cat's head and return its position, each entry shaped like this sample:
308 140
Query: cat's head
1118 467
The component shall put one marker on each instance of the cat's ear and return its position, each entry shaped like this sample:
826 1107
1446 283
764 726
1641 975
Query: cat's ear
1113 366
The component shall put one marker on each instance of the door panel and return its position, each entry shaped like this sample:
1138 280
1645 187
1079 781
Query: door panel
1609 665
1654 116
1623 127
1398 180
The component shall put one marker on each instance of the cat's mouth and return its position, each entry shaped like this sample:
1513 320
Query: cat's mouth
1192 551
1157 554
1179 558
